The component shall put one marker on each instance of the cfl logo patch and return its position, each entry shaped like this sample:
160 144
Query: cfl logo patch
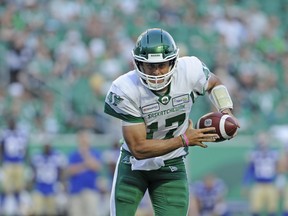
208 122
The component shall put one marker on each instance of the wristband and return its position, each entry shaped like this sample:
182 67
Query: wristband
185 140
226 113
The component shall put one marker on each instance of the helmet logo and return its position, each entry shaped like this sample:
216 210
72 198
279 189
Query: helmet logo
155 57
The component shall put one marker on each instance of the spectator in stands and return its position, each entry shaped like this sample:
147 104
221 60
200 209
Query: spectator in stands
48 169
19 54
209 196
17 57
74 47
14 155
260 175
83 172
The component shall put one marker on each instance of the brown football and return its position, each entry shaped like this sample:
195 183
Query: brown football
224 124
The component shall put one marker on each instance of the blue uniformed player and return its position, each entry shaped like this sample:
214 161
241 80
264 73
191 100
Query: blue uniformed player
260 175
48 167
14 155
210 194
83 173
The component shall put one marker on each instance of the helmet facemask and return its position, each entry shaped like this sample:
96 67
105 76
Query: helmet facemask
158 82
153 47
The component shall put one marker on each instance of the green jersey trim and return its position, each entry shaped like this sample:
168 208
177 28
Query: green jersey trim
205 70
192 97
124 117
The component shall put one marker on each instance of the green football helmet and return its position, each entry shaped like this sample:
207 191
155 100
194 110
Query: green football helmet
155 46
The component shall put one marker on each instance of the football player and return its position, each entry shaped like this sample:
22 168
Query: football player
154 101
209 195
13 155
48 169
260 174
83 173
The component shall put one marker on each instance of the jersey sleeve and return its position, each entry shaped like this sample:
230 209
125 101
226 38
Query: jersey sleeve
197 74
118 104
203 75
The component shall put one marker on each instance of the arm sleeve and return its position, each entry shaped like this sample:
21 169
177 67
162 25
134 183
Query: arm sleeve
120 105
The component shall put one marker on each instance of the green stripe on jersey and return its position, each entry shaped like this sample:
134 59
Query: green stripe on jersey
127 118
205 70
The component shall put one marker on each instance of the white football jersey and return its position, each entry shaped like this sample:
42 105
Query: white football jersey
165 116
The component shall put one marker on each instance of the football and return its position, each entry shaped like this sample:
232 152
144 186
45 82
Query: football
224 124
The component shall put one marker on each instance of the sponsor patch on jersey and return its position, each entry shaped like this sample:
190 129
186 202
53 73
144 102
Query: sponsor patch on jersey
180 100
150 108
166 112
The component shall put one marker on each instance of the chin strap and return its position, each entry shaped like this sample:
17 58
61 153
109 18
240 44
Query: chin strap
220 97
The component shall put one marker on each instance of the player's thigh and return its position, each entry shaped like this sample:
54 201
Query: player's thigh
13 177
7 181
128 189
257 198
75 205
38 203
272 198
171 198
51 205
20 180
169 191
91 200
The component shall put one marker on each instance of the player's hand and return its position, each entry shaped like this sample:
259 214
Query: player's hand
228 112
196 137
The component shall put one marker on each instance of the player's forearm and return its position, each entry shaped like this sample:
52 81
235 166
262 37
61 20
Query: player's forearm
155 147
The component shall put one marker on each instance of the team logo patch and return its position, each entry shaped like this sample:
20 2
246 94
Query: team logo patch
114 99
150 108
126 160
165 99
180 100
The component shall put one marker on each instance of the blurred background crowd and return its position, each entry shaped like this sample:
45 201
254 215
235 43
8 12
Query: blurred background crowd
58 57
